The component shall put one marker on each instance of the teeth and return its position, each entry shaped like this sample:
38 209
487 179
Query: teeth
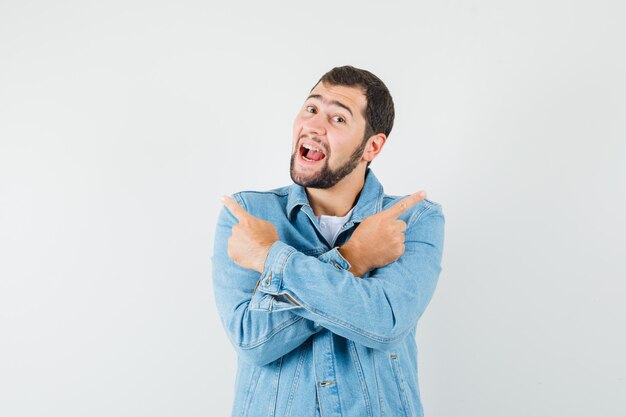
307 146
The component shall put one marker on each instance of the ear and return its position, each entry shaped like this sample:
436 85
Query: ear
374 145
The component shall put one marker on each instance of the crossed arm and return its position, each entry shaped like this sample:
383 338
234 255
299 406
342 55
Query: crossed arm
269 308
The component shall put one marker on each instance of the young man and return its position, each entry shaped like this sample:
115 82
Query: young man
320 284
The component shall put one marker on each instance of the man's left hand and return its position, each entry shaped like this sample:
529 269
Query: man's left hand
251 238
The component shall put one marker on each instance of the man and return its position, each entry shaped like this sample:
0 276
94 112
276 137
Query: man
320 284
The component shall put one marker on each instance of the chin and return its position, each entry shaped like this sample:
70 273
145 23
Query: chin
300 178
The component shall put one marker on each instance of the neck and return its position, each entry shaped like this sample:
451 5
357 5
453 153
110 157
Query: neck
338 199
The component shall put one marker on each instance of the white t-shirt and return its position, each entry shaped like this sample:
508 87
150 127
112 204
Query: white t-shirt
330 226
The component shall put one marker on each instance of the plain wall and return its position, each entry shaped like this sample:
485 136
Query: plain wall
123 122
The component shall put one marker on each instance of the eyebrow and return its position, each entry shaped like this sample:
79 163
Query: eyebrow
335 102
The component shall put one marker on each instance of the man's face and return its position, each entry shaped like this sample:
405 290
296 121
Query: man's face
328 136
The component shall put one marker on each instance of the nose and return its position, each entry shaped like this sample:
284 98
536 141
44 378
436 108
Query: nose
315 125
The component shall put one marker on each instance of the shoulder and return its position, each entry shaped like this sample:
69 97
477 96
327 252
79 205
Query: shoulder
425 221
259 203
424 209
254 196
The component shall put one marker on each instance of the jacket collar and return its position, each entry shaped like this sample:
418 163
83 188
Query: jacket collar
370 199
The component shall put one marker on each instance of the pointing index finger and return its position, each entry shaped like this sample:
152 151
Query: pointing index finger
404 204
239 212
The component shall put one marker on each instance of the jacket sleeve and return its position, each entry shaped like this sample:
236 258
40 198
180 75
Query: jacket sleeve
260 335
376 311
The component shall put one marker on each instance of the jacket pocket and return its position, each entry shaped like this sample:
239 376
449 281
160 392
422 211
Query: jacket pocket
251 388
401 385
356 360
296 378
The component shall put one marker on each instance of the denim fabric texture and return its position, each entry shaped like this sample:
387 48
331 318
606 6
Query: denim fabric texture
311 338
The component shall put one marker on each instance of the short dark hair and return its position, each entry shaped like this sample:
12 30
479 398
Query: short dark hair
379 112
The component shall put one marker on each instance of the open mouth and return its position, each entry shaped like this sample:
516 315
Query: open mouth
310 153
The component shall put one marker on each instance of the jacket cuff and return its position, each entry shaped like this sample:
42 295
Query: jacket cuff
272 276
267 294
335 258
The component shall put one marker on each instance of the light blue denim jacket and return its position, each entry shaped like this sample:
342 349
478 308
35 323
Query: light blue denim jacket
311 338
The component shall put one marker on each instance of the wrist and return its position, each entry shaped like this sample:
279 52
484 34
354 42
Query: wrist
262 258
350 252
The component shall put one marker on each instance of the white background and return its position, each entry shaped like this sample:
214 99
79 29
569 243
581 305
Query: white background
122 122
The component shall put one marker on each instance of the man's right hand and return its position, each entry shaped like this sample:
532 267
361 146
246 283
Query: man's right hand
379 239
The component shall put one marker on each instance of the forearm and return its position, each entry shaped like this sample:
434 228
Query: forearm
376 311
258 336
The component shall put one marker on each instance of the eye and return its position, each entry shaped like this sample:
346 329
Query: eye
339 119
309 109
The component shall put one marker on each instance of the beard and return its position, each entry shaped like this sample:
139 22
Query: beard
326 177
